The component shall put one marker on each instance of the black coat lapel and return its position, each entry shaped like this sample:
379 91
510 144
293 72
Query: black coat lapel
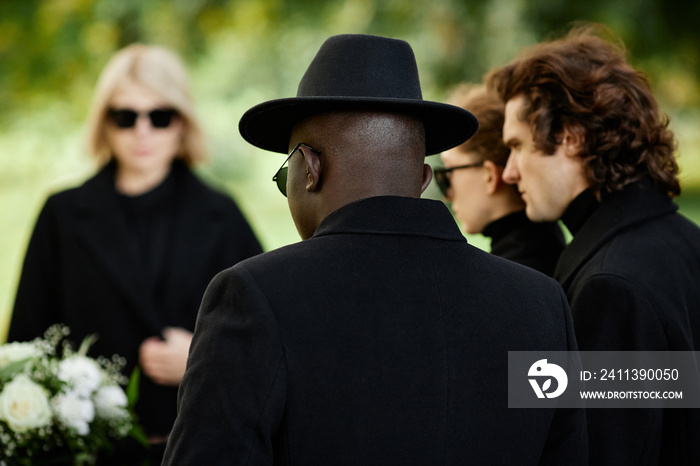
636 203
103 232
195 232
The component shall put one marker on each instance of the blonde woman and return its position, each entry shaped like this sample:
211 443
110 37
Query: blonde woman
128 254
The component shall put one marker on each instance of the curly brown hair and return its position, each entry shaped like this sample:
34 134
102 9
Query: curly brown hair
583 83
487 142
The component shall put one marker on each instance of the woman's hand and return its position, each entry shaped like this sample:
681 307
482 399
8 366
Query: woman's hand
164 361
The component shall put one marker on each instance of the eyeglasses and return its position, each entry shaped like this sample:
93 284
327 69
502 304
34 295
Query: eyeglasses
281 176
126 118
443 175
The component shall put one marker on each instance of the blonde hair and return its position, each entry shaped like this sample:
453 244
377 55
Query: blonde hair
162 72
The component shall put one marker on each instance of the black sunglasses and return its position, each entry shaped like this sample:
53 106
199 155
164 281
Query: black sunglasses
281 176
126 118
443 175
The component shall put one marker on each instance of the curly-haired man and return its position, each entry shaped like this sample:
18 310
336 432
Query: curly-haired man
589 146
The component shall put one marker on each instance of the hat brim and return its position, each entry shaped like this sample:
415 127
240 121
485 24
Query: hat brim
269 124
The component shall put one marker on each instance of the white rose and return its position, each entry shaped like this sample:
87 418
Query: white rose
24 404
72 410
17 351
82 374
110 402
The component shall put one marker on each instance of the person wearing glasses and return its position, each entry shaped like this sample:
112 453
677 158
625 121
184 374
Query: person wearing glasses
383 336
128 254
471 180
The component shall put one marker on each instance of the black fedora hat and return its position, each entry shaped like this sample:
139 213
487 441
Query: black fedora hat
358 72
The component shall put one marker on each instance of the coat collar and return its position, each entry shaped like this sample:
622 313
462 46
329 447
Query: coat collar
517 238
393 215
636 203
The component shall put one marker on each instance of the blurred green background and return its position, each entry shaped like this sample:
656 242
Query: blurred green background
242 52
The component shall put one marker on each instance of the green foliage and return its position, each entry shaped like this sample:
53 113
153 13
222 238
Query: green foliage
132 396
86 344
57 47
137 433
13 368
132 388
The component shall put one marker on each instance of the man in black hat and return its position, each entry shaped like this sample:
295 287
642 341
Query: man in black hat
383 337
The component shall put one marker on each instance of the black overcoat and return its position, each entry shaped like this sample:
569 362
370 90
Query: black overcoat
383 339
632 277
81 270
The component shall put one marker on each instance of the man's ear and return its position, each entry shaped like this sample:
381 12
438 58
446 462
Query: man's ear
573 140
314 169
493 176
427 177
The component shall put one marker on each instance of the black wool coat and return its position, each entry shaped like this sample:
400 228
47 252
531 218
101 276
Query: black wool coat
631 276
383 339
80 269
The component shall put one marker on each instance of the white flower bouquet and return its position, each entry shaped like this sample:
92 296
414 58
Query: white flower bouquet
58 405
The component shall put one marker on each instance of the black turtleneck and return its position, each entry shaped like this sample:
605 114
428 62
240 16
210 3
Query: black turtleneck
150 219
536 245
579 211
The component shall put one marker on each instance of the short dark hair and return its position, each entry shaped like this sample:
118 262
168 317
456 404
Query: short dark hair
584 84
489 110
